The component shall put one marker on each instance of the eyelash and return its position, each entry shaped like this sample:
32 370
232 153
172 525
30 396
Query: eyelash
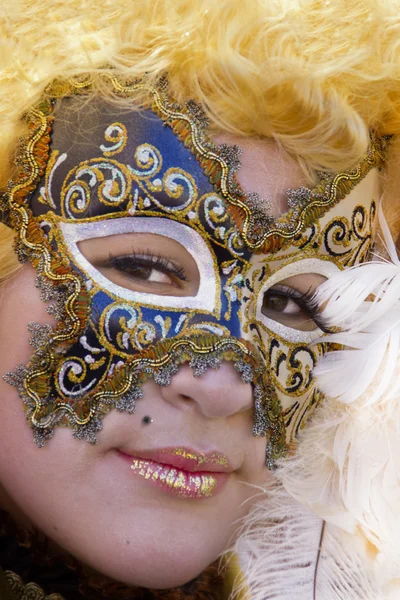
147 259
306 301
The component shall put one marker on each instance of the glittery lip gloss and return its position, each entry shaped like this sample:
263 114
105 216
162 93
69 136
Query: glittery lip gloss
182 472
182 483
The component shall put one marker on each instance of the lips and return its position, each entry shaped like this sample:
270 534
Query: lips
181 471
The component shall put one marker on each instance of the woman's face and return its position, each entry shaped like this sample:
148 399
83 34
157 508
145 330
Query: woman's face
87 497
160 495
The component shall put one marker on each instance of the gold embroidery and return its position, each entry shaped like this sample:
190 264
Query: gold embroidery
29 591
234 225
190 128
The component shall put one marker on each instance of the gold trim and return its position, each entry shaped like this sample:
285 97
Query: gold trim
29 591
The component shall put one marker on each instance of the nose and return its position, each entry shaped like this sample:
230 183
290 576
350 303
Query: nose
216 393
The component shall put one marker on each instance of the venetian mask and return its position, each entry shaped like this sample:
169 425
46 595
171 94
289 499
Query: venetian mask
154 170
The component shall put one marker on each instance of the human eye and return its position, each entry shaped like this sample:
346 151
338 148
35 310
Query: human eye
292 307
143 263
146 267
287 302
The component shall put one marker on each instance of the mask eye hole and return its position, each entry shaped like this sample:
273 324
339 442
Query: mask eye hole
149 268
292 308
285 300
151 261
144 262
289 304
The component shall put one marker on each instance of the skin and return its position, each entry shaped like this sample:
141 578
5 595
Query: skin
85 497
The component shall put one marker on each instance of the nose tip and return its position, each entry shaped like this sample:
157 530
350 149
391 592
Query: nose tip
215 393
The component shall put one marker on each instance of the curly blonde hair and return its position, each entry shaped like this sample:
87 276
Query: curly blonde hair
313 75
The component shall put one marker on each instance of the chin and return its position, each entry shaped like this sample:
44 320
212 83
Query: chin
157 574
164 581
159 558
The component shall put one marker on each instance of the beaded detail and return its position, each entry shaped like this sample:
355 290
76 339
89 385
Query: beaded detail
107 341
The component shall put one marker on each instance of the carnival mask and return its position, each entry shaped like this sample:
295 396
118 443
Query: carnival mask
155 171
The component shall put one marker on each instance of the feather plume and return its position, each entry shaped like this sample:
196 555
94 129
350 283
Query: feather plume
346 468
286 551
278 548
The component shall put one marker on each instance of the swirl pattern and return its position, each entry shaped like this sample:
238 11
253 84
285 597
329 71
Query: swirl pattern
160 164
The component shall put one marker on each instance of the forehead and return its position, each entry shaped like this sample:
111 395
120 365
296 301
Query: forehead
266 169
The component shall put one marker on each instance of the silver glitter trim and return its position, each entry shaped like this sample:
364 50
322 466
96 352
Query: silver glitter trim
164 375
57 295
260 418
192 241
197 113
200 364
261 218
42 436
231 155
88 432
298 196
245 371
128 402
41 335
16 378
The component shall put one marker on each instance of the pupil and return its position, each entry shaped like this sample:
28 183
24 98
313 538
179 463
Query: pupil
275 303
137 271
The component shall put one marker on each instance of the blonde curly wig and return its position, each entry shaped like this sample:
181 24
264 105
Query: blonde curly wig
313 75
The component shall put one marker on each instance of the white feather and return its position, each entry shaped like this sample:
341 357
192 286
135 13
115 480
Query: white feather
287 552
347 464
279 547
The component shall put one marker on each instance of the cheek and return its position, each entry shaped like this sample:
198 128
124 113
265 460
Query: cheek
90 505
20 304
76 494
